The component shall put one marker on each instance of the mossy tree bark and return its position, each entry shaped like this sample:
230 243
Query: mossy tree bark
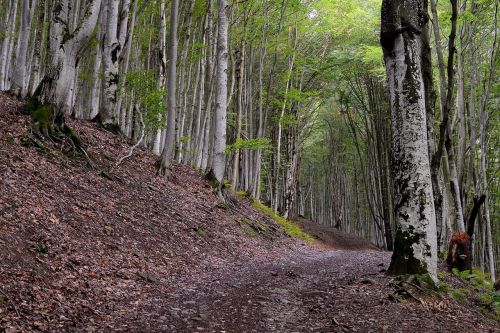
66 48
415 247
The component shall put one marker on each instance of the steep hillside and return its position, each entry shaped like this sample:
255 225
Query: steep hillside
88 246
80 243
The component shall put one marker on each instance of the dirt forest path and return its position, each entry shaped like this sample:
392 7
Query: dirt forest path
309 293
322 289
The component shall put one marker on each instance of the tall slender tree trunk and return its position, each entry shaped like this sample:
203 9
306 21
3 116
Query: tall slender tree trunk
445 130
219 159
19 84
168 149
126 63
7 46
116 31
240 67
162 68
291 63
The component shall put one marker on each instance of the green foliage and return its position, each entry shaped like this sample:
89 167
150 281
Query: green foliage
85 75
289 120
459 294
227 184
478 279
481 289
372 56
243 194
443 255
250 144
290 228
142 84
42 116
297 95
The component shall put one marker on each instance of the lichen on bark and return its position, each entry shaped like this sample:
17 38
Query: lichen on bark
415 247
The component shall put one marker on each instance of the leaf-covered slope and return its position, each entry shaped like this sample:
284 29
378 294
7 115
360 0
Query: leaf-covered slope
83 246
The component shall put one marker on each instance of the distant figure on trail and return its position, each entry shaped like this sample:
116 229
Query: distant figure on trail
459 252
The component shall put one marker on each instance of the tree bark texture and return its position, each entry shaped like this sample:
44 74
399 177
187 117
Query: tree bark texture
415 247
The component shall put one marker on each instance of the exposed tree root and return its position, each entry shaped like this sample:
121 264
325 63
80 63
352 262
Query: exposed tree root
138 143
50 126
226 196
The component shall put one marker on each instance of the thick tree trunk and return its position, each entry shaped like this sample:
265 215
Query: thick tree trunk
111 51
55 88
415 247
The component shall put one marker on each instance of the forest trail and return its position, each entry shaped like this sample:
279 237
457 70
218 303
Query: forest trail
334 290
306 293
108 248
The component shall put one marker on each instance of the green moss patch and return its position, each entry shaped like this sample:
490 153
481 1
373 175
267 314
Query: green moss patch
403 259
479 289
291 229
257 228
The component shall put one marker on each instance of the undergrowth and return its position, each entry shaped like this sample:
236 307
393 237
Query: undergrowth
255 228
473 287
290 228
479 289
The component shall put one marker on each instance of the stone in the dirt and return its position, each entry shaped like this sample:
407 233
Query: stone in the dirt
368 281
139 255
146 276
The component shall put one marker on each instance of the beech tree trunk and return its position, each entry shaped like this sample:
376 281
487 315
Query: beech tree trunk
415 247
19 86
66 48
168 149
116 28
219 132
7 45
